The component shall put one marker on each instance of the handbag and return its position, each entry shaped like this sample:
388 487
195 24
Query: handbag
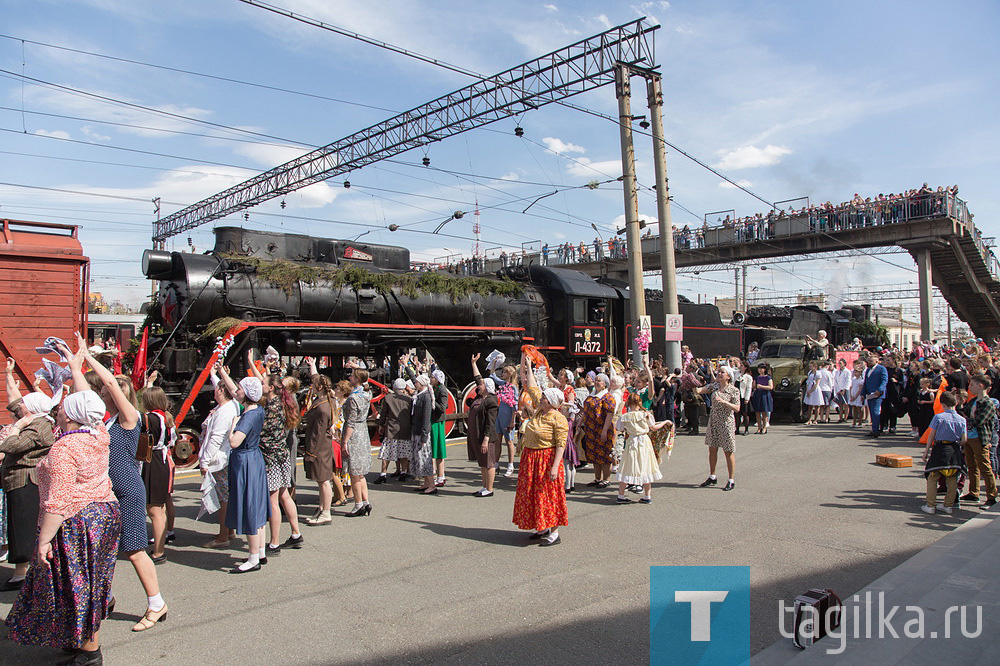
144 450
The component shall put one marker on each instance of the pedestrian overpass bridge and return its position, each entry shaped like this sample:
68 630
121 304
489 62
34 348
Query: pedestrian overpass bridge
935 228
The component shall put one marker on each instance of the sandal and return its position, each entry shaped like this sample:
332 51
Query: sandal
342 502
150 619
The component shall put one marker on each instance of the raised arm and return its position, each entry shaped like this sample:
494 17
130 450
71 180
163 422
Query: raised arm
476 375
128 416
528 375
234 390
13 385
80 382
253 366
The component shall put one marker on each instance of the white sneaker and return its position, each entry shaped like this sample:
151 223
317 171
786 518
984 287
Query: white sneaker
510 471
946 510
927 509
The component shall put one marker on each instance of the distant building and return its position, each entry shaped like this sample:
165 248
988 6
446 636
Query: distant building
97 304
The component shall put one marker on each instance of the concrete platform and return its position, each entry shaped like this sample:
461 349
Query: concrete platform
960 569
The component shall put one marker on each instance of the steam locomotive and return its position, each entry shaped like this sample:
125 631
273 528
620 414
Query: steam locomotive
324 297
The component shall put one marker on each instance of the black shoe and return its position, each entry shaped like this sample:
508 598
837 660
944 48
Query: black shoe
990 501
171 537
358 511
11 585
593 483
729 486
708 482
159 560
433 492
603 484
483 493
381 479
85 658
263 561
396 475
622 500
293 542
969 497
272 550
237 570
645 500
404 477
570 489
534 536
551 542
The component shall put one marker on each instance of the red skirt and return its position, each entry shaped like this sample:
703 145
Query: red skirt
540 503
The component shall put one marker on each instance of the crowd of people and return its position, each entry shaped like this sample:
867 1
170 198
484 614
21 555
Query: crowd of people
859 212
87 471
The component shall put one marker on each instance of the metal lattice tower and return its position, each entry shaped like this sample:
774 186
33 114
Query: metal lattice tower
571 70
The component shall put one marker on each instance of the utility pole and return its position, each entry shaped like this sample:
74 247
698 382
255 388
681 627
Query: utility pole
668 268
900 326
744 308
157 245
637 293
736 300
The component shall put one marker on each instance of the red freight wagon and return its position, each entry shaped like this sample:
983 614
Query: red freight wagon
43 291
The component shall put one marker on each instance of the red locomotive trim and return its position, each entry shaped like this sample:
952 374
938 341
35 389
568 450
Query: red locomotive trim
239 328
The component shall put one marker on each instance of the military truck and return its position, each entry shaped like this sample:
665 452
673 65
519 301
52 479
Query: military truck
789 360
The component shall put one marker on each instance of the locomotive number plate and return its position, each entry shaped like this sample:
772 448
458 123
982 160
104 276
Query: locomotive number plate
585 340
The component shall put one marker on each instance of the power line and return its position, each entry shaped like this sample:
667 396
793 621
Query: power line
203 75
148 109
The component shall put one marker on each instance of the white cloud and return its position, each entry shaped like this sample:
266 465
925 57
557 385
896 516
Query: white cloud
551 8
268 154
585 169
58 134
558 236
559 146
750 157
510 176
91 134
603 20
729 186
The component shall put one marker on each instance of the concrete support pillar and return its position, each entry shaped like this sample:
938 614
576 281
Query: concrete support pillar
925 286
637 293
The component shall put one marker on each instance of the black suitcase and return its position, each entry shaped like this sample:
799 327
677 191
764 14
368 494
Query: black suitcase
813 616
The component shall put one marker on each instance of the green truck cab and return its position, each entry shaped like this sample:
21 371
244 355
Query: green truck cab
789 360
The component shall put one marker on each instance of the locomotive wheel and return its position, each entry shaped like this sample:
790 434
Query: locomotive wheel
186 448
449 425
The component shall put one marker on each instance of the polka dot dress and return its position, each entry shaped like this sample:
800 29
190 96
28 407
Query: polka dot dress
126 483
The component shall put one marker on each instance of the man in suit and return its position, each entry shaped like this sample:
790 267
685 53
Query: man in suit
876 379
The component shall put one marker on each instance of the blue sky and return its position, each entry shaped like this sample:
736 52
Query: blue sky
794 98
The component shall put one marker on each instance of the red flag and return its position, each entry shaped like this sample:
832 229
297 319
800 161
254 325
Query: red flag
139 366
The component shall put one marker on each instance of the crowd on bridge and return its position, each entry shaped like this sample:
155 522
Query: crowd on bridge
88 469
857 213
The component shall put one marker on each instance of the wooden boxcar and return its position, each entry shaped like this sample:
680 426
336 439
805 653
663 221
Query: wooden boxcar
43 291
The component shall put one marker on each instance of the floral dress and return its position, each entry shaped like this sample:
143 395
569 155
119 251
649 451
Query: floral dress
273 446
359 446
598 449
722 420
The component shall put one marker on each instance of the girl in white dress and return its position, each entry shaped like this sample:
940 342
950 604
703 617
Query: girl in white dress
856 401
638 466
814 395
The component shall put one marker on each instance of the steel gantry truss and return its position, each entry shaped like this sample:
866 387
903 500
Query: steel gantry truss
585 65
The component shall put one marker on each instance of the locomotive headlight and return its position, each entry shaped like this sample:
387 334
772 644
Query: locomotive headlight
156 263
784 383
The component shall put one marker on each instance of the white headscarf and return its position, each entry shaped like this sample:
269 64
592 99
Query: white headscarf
252 388
604 378
439 376
491 386
399 384
424 381
37 403
85 408
554 397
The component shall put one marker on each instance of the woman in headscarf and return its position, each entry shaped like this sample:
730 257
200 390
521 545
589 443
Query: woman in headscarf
540 501
213 456
421 460
67 592
596 439
482 438
126 480
25 444
394 423
356 441
248 508
439 445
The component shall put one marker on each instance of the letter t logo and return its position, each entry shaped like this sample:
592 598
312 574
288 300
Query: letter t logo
701 610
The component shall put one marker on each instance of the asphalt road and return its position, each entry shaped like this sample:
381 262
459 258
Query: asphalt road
447 579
